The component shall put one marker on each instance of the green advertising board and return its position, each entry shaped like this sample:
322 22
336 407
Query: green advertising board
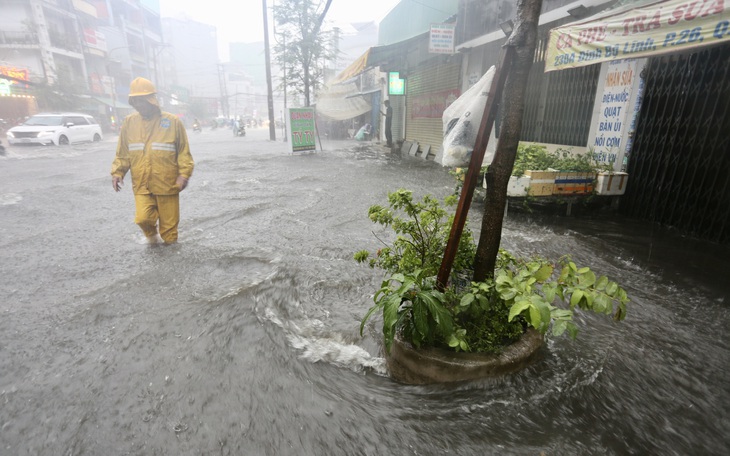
302 130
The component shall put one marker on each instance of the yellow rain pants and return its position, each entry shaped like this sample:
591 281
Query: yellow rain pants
151 208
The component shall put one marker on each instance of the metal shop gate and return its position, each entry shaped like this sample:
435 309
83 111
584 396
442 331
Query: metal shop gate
559 104
679 165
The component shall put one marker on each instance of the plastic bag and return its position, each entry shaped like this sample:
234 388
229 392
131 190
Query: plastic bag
462 120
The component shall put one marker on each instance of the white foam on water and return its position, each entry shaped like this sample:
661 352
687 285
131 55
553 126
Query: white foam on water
7 199
316 344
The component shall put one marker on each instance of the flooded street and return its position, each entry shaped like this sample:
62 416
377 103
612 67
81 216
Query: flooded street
243 339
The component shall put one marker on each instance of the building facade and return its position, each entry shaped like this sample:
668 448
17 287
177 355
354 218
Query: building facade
84 51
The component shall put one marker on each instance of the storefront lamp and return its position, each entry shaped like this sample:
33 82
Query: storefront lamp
507 27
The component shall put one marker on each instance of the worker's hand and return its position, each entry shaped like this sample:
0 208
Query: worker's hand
181 182
117 183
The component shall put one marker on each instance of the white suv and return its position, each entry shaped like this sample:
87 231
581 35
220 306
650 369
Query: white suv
56 128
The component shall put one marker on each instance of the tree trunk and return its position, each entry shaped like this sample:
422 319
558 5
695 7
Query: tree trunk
523 39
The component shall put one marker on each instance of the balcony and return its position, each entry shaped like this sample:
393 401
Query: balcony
64 41
18 38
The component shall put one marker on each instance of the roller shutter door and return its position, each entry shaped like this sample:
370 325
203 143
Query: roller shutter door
430 89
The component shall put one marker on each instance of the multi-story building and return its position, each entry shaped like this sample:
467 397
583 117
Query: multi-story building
191 62
87 50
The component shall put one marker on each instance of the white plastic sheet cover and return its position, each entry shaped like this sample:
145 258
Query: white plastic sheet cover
462 120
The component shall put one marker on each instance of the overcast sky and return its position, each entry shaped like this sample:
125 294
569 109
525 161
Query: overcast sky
242 20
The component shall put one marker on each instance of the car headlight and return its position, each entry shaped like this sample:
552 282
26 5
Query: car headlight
10 135
46 133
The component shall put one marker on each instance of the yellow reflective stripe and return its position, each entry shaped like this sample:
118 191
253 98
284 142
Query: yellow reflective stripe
136 146
164 146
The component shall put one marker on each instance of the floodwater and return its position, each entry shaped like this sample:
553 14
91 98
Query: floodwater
243 338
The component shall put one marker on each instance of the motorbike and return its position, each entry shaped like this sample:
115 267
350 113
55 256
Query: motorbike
240 131
2 148
197 127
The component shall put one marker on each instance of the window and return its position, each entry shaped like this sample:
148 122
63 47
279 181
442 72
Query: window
77 120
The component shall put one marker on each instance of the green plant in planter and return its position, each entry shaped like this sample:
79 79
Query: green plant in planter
536 157
412 304
422 229
473 316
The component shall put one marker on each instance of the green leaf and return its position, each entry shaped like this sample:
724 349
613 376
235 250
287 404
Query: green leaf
561 314
508 294
398 277
587 279
466 300
559 327
535 318
367 316
601 303
390 311
564 274
549 292
575 299
420 318
517 309
453 341
543 273
572 330
483 302
601 283
611 288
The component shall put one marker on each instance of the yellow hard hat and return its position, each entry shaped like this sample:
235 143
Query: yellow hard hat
141 87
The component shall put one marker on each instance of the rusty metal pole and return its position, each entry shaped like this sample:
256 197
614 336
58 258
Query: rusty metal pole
477 156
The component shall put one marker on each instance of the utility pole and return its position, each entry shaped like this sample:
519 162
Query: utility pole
223 89
270 94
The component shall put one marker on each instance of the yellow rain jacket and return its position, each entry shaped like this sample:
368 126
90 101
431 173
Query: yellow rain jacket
156 151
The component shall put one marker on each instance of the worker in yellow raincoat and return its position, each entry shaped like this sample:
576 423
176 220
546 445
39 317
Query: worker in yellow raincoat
154 146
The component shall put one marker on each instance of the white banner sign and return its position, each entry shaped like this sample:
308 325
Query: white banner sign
441 39
657 28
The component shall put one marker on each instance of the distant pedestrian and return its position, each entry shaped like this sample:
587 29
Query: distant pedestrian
388 123
153 145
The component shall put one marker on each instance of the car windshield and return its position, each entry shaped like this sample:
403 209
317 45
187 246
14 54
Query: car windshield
44 120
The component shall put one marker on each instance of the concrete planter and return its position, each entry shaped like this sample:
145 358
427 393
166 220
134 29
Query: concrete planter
432 365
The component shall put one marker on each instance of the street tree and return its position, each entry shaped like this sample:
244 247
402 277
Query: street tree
301 47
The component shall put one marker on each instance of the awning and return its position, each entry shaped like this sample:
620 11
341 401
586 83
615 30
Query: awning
354 69
654 28
110 102
379 55
342 102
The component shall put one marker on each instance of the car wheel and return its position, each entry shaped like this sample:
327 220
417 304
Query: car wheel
97 138
62 140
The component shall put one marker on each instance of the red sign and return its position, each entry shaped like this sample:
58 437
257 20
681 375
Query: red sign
432 105
16 73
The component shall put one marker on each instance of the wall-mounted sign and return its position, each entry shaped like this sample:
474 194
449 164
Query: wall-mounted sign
432 105
441 39
656 28
95 39
5 88
15 73
396 85
14 77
